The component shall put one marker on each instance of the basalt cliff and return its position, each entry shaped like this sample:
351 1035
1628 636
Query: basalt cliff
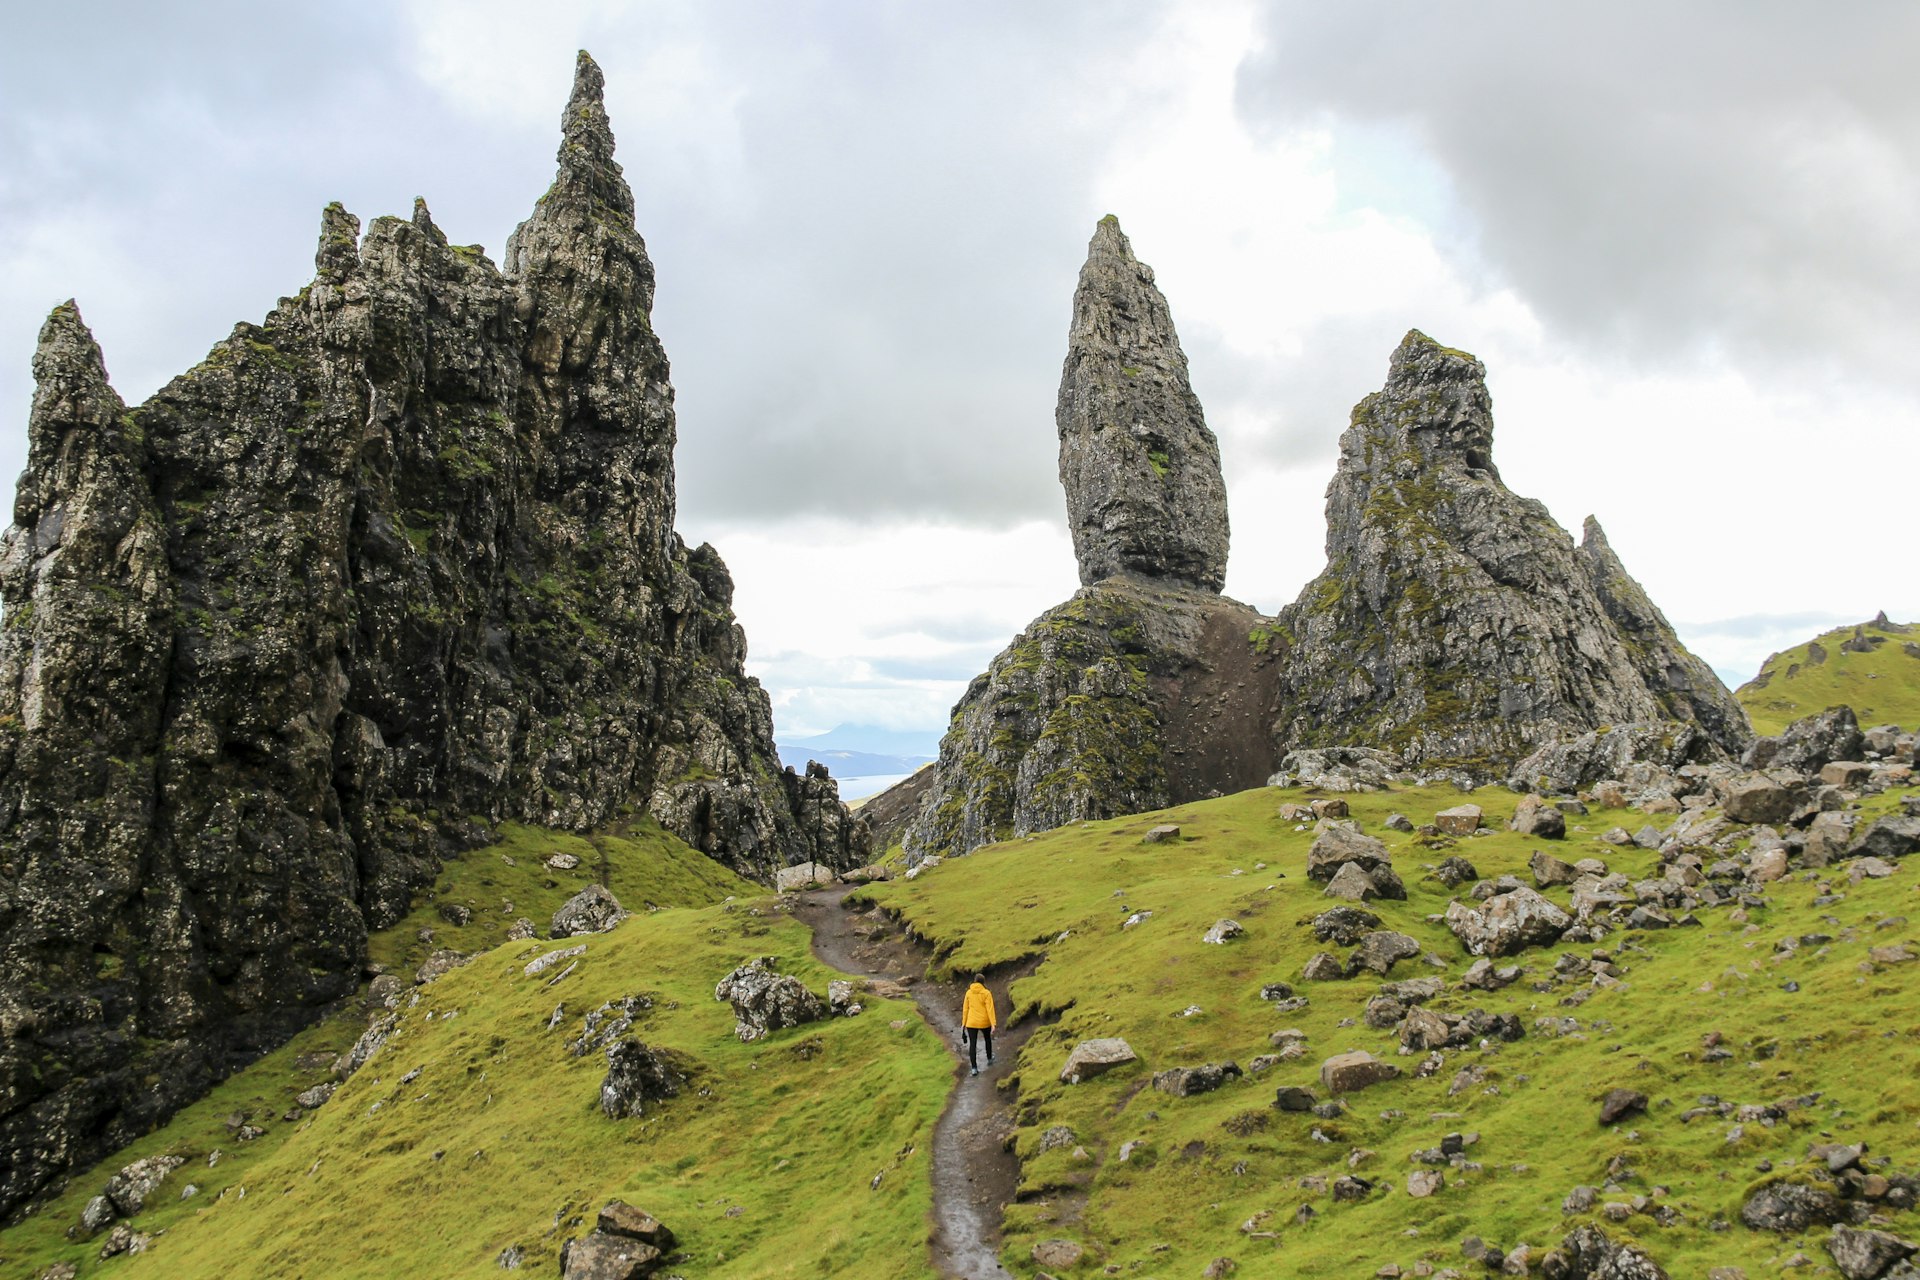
394 565
1455 628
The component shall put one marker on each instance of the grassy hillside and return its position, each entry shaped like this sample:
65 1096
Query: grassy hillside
1209 1164
1882 685
765 1167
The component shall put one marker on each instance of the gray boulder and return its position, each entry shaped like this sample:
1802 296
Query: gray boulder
1091 1058
1183 1082
1791 1207
1537 817
1338 769
1380 950
1347 1072
1507 923
1867 1255
128 1189
1772 796
1344 926
1889 837
592 910
1597 756
638 1074
1341 844
625 1244
1588 1254
1809 743
765 1001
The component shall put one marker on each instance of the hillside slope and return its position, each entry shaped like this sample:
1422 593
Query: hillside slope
1762 1030
1873 668
474 1130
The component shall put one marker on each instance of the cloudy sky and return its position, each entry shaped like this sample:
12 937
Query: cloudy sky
1681 237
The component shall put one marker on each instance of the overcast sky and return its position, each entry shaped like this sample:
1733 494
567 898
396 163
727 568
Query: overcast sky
1681 237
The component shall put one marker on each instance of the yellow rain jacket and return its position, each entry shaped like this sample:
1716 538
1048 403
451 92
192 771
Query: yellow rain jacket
977 1010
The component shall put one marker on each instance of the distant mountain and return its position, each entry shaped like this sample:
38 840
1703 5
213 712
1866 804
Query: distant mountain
859 750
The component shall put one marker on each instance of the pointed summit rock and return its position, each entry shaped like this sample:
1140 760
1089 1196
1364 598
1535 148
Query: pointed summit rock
1147 688
1455 622
1140 468
385 571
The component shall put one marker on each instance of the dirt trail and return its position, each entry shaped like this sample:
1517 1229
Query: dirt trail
974 1175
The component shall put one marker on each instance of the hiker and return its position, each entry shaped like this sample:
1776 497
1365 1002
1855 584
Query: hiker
979 1019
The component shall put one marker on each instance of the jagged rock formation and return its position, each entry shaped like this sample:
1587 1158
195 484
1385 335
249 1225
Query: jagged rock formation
1455 622
1455 629
398 558
1148 688
1132 695
1140 467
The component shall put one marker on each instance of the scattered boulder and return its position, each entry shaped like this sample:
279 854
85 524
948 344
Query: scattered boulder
1455 871
1791 1207
1422 1183
1061 1255
1163 834
1549 870
1537 817
803 875
592 910
1889 837
1223 931
765 1001
636 1075
371 1041
1352 884
1762 797
1347 1072
563 861
128 1189
1588 1254
1380 950
455 914
439 965
1460 820
1092 1058
1507 923
1867 1255
310 1099
601 1027
1184 1082
1338 769
625 1244
540 964
1324 967
1344 926
1621 1103
1807 744
1294 1098
1341 844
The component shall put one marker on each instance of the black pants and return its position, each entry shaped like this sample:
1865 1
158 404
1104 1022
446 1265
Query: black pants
974 1036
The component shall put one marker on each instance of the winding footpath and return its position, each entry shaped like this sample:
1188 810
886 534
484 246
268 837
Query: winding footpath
973 1173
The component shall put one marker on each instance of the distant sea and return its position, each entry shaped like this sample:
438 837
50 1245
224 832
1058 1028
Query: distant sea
872 784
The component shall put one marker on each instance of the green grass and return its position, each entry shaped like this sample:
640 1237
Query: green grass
1853 1036
1882 687
764 1167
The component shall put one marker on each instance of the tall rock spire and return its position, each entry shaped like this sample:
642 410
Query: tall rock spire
1141 469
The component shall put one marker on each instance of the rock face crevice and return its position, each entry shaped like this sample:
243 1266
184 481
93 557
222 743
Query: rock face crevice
1455 623
393 564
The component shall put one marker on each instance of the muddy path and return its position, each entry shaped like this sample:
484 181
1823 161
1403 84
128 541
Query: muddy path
974 1175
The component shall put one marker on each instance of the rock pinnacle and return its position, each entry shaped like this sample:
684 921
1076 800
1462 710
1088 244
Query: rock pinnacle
586 144
1140 468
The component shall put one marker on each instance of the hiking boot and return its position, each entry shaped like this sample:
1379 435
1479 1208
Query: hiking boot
974 1071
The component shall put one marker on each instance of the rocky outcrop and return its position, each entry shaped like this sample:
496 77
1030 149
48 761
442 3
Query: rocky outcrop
766 1001
403 551
1131 696
1141 469
1455 623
